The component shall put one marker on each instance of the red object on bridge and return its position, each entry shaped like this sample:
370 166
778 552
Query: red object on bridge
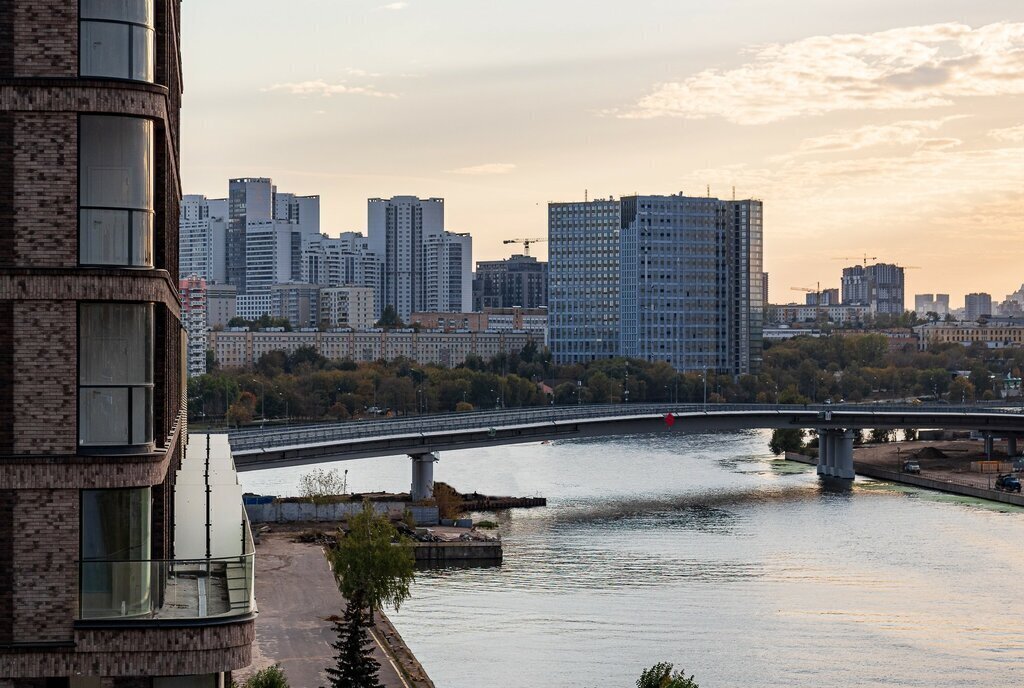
670 420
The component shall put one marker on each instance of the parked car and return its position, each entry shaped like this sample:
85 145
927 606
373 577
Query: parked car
911 466
1008 482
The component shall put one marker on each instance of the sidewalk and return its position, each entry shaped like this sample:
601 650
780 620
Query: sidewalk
296 593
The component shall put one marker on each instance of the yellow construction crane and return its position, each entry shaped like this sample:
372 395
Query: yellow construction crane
526 243
864 258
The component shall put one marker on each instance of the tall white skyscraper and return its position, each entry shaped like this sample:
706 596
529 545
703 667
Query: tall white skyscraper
203 238
424 266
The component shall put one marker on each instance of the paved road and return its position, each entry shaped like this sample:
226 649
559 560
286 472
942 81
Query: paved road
296 593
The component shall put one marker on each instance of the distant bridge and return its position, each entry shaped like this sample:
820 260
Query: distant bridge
421 437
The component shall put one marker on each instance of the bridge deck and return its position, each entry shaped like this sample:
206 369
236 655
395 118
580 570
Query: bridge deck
262 448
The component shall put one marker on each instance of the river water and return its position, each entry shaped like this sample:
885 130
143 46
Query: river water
704 551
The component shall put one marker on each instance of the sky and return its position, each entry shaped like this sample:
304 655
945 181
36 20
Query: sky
885 129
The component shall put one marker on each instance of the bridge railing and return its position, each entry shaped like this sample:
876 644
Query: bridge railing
256 438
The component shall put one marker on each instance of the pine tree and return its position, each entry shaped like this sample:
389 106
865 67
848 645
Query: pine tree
356 667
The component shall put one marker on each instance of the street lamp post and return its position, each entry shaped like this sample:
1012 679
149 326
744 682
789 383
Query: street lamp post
705 376
263 400
579 392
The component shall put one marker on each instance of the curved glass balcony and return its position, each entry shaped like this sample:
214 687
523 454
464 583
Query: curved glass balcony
167 590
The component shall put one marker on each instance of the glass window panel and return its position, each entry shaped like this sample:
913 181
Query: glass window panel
142 402
142 238
116 344
116 526
143 48
105 237
104 50
137 11
103 416
116 165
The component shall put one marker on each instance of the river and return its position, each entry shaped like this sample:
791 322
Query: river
704 551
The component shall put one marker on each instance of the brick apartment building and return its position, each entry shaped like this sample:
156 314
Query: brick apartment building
92 422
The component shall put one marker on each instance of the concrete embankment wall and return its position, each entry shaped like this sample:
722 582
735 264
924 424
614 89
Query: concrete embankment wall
920 481
440 552
295 512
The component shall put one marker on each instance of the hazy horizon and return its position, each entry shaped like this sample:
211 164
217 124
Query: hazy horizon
889 129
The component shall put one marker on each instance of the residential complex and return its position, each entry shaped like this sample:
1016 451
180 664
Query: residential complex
976 306
193 319
100 569
519 281
237 349
665 278
425 267
931 303
879 286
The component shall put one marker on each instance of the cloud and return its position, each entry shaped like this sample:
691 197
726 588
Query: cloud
1012 134
486 168
319 87
913 67
395 6
906 132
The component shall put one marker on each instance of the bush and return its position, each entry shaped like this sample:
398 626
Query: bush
463 406
487 525
271 677
319 484
660 676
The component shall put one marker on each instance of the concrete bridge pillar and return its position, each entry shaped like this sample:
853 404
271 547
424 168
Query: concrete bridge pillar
844 455
1011 446
422 476
988 446
835 454
824 453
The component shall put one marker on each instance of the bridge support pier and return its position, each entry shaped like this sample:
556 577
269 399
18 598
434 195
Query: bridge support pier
989 444
1011 446
835 454
422 476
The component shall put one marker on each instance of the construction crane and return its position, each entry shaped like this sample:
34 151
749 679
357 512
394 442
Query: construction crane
817 297
526 243
865 258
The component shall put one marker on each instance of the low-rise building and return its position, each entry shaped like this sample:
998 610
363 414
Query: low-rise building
347 307
239 348
221 305
996 334
531 320
800 313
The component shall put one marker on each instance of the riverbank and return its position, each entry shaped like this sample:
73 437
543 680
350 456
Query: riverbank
945 466
298 601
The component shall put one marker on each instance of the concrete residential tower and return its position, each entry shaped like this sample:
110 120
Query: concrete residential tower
92 414
664 278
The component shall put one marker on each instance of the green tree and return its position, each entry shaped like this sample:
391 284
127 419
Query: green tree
354 666
786 439
389 319
375 564
271 677
661 676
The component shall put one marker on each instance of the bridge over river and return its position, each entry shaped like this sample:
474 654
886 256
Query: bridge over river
422 437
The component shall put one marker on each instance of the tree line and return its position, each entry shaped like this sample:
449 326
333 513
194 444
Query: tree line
305 386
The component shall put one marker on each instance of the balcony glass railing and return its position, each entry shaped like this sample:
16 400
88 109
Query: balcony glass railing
168 590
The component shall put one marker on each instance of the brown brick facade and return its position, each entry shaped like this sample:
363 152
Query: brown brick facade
44 554
141 652
41 286
45 190
45 34
45 391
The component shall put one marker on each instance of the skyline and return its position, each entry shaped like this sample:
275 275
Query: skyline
923 133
